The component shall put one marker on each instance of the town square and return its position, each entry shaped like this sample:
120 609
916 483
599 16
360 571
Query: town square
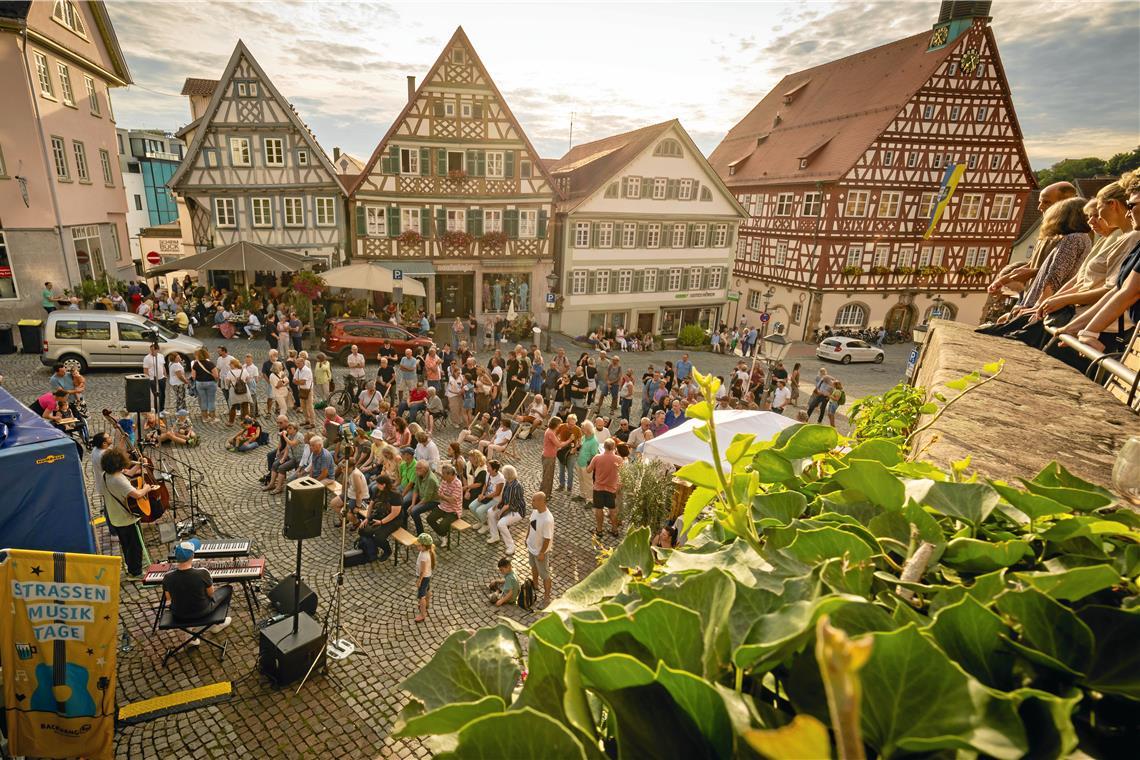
701 379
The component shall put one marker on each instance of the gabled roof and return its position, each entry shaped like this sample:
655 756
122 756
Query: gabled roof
591 165
111 40
186 129
241 50
458 36
1088 187
836 109
194 86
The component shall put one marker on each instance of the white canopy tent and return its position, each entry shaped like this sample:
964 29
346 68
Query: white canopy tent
368 276
680 446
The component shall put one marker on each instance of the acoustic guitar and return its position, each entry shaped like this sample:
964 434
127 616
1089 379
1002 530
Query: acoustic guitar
152 506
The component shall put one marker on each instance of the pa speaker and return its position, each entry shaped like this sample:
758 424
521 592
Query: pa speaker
138 393
287 656
304 508
281 597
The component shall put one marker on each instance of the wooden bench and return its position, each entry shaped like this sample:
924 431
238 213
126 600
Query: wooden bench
458 528
402 538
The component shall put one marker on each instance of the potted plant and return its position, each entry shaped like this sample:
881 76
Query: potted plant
456 239
880 271
904 270
494 240
457 174
647 490
933 270
852 271
410 238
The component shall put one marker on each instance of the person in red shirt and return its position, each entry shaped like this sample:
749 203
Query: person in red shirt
604 467
415 403
551 445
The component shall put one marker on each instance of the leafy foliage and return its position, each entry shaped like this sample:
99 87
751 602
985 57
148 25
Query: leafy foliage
647 488
1070 169
692 335
837 597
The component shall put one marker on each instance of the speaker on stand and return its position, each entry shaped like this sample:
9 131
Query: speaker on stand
138 393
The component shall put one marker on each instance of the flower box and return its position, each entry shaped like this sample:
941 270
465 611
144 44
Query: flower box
410 237
852 271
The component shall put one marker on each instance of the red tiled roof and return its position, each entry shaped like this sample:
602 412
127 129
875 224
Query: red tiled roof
193 86
589 165
1088 187
842 106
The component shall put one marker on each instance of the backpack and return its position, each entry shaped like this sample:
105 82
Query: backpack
240 387
526 595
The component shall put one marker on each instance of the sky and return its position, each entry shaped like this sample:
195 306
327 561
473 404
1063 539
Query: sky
614 66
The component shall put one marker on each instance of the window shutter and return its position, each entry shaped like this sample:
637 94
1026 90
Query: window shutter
613 280
696 190
705 278
639 241
476 111
647 187
690 236
542 223
385 164
481 163
440 222
441 162
591 281
671 189
472 215
394 158
393 221
472 163
437 109
509 163
425 221
594 235
511 223
425 162
361 223
638 281
478 222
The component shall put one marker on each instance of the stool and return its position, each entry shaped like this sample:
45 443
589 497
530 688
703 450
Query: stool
196 629
458 527
404 539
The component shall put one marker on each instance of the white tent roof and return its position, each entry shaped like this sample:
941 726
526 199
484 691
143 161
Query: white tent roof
369 276
680 446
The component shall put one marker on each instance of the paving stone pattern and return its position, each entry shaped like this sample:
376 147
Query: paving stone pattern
348 712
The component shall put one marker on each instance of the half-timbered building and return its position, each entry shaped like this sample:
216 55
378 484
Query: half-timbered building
253 170
840 167
645 234
456 195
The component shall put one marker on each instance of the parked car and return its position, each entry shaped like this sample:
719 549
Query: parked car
368 335
107 339
848 350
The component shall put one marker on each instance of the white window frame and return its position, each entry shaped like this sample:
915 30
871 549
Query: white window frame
649 281
939 255
43 75
1002 209
972 161
685 192
928 112
854 255
971 206
239 152
983 256
581 234
449 107
409 157
700 235
625 281
376 221
495 164
882 255
104 161
694 278
926 204
781 258
981 113
890 201
465 110
528 223
67 13
653 235
677 236
605 234
754 300
912 159
971 256
846 317
225 212
995 161
602 281
674 278
952 69
303 157
632 187
955 112
261 212
92 97
720 236
906 255
293 211
784 204
66 93
936 162
578 280
274 148
456 220
660 188
82 173
857 203
410 219
492 220
924 257
716 278
60 159
629 235
325 210
812 204
888 157
754 247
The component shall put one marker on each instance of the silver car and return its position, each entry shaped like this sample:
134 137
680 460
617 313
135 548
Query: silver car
107 339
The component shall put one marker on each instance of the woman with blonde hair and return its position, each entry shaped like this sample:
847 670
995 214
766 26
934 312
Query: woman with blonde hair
240 398
279 387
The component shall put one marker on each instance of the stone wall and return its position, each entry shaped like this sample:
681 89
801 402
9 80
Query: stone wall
1036 411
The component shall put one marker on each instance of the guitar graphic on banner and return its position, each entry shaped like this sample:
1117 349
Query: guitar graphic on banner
62 686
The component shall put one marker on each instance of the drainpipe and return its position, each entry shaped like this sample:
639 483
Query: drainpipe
48 167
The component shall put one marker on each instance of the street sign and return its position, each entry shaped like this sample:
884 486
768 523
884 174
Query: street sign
152 257
82 257
397 274
765 317
550 297
911 362
732 295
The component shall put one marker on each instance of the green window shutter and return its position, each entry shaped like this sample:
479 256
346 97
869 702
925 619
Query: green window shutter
393 221
441 162
476 111
425 162
480 163
640 241
385 164
437 109
394 158
690 236
511 223
361 223
472 216
696 190
594 235
705 278
440 221
647 187
509 163
478 222
542 223
638 281
425 222
472 163
671 189
591 281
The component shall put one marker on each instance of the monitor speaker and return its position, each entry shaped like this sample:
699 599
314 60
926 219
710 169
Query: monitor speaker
286 656
138 393
304 508
281 597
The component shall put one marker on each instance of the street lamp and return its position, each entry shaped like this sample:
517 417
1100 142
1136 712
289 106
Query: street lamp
936 312
769 294
777 346
552 289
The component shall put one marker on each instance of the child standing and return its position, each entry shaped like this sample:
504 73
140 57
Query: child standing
425 564
506 589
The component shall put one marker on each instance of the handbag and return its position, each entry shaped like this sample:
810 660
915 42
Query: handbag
304 392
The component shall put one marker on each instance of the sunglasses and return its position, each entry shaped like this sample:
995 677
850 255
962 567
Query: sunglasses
1130 206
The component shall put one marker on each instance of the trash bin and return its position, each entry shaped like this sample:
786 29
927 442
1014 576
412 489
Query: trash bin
32 335
7 340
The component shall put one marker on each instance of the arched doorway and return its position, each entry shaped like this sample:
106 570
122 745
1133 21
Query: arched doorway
900 318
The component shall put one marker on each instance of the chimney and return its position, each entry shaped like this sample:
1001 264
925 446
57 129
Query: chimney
336 153
411 88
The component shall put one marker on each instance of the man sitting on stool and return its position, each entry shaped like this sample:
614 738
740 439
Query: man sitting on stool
190 591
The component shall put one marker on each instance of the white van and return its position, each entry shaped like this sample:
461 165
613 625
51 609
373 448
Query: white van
107 339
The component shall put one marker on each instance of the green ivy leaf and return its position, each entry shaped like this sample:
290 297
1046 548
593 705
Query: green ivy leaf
928 408
873 480
971 502
711 595
1115 667
960 384
737 559
699 411
775 636
785 506
1048 627
698 500
804 737
984 590
809 440
970 555
739 446
1078 499
632 554
1072 585
699 473
1055 475
703 704
466 668
771 467
658 631
545 685
447 719
518 733
1033 506
993 367
702 432
970 634
886 452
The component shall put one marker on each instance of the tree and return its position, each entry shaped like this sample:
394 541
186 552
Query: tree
1070 169
1123 162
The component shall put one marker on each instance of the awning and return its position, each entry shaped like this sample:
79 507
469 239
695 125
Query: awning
409 267
372 277
241 256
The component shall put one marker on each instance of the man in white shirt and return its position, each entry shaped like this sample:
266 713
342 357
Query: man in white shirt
640 435
303 378
601 430
251 375
539 539
154 367
253 327
356 364
427 451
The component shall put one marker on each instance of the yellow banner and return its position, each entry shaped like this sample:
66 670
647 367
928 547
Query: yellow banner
57 647
950 181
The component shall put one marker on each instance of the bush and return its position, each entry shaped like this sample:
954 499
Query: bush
647 492
692 335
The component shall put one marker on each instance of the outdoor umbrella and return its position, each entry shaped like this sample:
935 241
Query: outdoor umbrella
241 256
369 276
680 446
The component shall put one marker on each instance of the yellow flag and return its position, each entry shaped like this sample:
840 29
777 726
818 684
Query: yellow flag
949 184
57 646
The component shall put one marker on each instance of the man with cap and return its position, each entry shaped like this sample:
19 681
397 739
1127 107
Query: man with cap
190 591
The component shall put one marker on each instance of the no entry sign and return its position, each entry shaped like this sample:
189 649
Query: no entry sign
152 257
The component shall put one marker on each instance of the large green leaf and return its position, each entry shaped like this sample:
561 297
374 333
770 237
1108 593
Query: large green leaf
447 719
970 634
984 589
886 452
467 668
772 467
1072 585
971 502
631 555
1033 506
916 700
1115 667
493 655
898 525
1048 627
750 602
1080 500
704 706
737 559
777 635
1055 475
658 631
545 685
784 506
699 473
520 733
739 447
805 738
971 555
711 595
808 440
874 481
826 543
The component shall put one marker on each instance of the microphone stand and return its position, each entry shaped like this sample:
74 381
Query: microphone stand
188 527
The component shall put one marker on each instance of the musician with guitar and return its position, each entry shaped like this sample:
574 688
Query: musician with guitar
119 491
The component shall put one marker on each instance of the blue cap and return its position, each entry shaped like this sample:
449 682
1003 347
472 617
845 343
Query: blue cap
184 550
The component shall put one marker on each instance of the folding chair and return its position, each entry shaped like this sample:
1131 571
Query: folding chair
195 628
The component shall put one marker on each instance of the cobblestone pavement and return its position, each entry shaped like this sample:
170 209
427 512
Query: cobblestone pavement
349 712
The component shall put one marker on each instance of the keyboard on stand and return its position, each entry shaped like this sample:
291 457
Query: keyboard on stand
221 570
224 547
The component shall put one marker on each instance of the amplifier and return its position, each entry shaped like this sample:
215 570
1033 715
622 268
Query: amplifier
354 557
286 656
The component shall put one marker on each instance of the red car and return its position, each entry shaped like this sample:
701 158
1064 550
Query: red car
367 335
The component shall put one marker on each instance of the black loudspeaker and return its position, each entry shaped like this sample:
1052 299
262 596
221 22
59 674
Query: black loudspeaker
138 393
281 597
304 508
286 656
354 557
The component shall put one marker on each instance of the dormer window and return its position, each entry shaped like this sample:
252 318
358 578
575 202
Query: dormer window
669 147
68 14
791 94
